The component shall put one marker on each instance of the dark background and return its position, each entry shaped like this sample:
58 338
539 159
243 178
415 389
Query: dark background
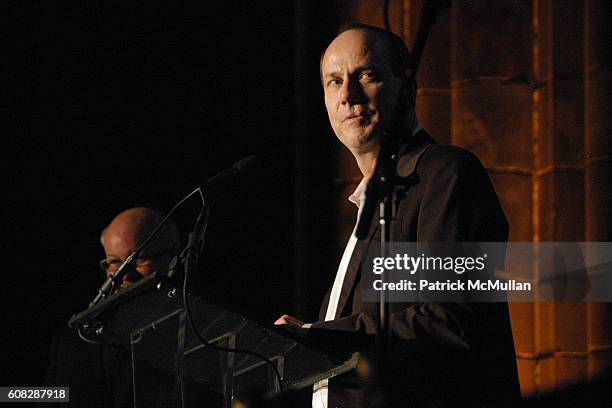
134 104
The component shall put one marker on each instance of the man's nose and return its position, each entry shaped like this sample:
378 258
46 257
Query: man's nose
351 92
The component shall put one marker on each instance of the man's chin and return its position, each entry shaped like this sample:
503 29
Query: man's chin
360 141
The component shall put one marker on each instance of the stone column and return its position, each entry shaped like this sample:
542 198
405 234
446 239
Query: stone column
561 358
598 160
492 114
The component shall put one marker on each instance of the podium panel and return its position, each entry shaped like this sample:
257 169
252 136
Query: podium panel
171 365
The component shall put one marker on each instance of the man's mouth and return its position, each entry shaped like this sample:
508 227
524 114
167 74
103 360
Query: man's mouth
355 116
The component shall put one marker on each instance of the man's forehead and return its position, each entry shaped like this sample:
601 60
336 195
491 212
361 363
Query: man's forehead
356 46
119 235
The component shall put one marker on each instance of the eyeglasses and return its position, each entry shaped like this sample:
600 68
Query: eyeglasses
141 261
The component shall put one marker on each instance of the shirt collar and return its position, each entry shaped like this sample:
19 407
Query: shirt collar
359 193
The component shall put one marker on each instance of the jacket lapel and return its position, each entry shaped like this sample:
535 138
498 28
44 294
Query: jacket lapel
353 267
410 154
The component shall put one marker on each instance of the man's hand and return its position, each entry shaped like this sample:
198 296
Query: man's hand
292 323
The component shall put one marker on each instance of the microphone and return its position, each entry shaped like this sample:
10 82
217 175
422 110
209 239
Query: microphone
116 279
195 239
244 163
237 168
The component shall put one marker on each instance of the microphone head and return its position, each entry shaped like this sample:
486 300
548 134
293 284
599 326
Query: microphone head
244 163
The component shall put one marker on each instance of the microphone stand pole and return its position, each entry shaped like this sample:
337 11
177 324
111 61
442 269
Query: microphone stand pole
189 258
195 241
387 181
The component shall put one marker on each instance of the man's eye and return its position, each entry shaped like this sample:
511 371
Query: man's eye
368 75
334 82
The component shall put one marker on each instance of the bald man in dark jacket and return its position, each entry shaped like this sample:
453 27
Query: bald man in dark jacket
442 354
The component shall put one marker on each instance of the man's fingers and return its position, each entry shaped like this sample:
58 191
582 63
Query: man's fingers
289 320
281 320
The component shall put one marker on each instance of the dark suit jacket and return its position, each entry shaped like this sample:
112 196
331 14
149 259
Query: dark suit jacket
98 376
453 354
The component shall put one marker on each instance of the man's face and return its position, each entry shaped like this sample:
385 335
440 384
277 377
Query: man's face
361 90
121 239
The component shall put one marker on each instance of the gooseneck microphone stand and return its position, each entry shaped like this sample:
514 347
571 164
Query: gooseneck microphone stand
115 279
189 258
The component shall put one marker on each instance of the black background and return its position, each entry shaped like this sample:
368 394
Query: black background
134 104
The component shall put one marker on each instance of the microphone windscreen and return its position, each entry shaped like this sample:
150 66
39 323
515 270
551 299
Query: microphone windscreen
244 163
